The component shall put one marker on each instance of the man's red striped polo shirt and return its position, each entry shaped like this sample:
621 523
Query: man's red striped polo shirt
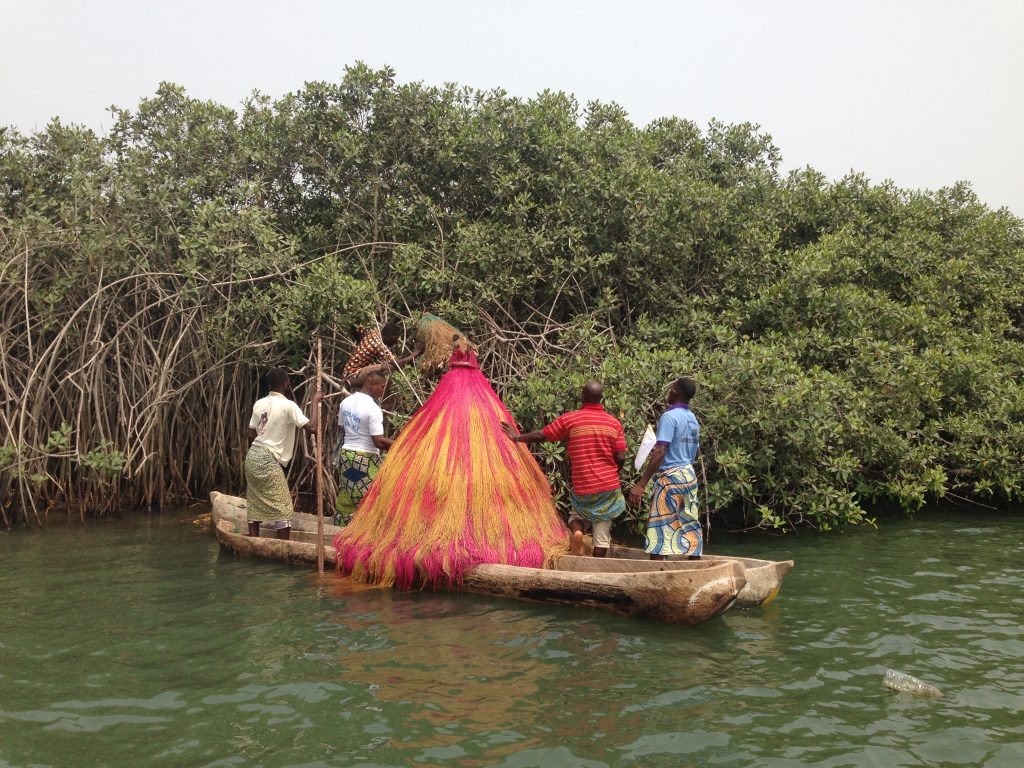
594 437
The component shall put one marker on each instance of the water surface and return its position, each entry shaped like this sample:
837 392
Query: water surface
138 642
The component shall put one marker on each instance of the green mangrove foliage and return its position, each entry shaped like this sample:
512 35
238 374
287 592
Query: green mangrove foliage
856 345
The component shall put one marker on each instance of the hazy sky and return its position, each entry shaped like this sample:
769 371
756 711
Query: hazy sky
924 93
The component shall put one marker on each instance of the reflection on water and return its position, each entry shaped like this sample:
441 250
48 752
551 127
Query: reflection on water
140 643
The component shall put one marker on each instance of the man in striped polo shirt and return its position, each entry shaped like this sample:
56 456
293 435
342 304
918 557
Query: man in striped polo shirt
597 451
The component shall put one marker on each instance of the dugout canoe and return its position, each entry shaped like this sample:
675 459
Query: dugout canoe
677 593
763 577
225 507
300 549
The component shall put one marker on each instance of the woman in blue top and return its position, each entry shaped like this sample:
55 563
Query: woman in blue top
673 525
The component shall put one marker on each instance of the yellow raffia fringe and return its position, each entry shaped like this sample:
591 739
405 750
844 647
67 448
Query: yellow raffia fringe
421 505
562 548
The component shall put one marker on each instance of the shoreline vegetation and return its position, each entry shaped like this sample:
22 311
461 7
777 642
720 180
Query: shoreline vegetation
857 346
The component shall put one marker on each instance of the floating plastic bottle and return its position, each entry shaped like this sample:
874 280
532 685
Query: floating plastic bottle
904 683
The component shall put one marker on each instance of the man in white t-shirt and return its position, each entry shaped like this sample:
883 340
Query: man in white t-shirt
272 431
362 422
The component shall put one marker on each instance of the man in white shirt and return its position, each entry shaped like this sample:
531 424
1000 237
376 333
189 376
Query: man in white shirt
362 422
272 431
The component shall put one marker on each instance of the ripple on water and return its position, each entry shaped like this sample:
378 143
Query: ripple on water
182 656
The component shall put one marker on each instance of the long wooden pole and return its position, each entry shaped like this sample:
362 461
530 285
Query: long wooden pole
319 465
707 506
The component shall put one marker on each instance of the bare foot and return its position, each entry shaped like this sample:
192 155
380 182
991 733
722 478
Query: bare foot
576 547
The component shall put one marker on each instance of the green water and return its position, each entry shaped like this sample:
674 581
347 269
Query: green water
139 643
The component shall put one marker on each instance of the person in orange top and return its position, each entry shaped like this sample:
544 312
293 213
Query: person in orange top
596 444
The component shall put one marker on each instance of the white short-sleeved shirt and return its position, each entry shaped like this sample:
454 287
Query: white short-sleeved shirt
361 418
275 419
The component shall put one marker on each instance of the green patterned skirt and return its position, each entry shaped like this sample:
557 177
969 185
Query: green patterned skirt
598 507
266 487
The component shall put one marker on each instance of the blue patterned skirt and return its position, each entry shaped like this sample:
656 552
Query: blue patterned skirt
673 527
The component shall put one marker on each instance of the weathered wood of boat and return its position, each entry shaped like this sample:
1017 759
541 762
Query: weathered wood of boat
225 507
299 549
763 577
678 593
687 596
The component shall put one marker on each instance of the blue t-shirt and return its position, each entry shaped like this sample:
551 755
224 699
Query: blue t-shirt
678 429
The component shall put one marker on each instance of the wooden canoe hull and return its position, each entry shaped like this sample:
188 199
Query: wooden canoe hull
675 594
763 577
300 549
225 507
675 597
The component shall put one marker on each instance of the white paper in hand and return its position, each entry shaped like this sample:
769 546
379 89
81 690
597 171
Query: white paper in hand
646 445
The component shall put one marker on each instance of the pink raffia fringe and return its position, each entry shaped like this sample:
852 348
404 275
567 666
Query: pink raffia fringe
453 492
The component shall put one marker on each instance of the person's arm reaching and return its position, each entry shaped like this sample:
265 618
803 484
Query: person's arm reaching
399 362
314 417
636 493
529 437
